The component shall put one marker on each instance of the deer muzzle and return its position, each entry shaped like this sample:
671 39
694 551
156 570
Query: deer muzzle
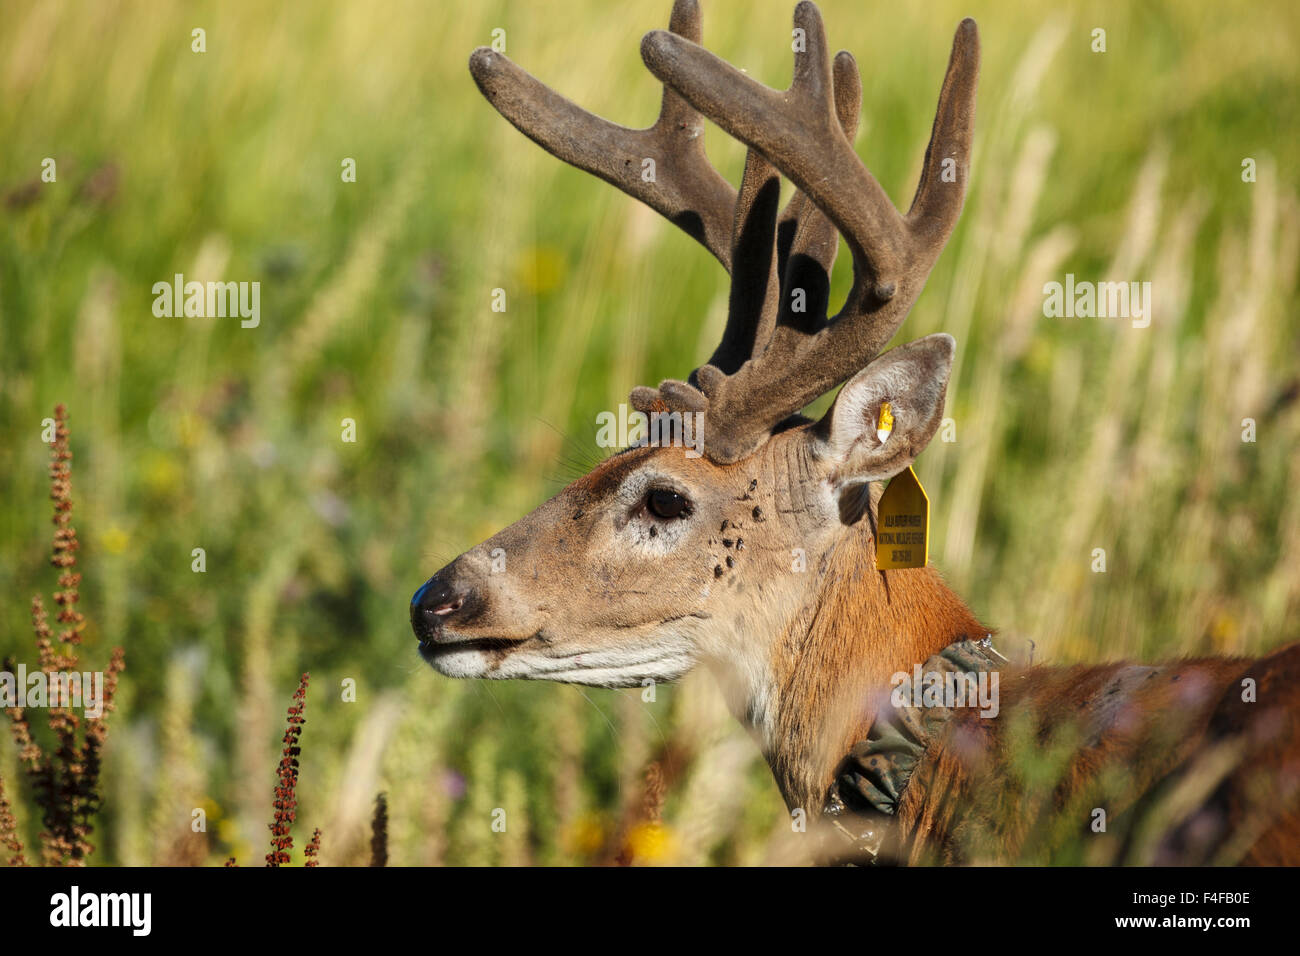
441 601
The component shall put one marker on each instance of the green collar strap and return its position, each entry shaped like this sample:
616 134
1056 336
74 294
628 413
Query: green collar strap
876 772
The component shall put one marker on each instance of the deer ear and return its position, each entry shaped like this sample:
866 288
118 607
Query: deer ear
913 379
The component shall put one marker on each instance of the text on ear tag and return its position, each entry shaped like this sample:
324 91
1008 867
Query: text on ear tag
885 422
903 524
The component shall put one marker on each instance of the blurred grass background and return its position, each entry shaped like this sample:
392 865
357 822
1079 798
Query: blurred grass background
1072 434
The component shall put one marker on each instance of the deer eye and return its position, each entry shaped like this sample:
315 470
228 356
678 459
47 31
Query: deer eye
666 504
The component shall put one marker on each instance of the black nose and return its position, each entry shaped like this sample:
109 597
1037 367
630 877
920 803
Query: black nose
437 602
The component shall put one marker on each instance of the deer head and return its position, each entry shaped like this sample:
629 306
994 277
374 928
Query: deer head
757 556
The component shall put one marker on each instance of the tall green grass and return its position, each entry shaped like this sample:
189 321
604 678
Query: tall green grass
376 306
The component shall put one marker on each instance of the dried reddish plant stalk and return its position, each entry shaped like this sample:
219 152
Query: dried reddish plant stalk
312 851
65 535
286 797
9 832
379 832
65 783
286 789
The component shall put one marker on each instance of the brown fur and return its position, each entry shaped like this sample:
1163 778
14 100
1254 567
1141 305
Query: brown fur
1186 772
837 655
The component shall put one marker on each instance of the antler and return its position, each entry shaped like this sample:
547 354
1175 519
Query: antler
685 188
773 359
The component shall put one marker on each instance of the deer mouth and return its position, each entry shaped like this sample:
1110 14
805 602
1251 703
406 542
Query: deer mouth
432 650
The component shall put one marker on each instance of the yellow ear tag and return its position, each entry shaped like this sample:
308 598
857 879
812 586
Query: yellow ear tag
885 424
903 524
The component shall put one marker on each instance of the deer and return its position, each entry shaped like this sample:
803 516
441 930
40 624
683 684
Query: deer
660 560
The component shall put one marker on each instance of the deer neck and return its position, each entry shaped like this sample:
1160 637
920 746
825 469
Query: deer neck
829 666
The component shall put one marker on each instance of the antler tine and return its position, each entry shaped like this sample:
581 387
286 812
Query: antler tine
763 244
807 241
937 204
755 289
685 189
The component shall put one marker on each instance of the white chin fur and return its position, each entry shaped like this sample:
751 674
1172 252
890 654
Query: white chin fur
599 669
466 663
